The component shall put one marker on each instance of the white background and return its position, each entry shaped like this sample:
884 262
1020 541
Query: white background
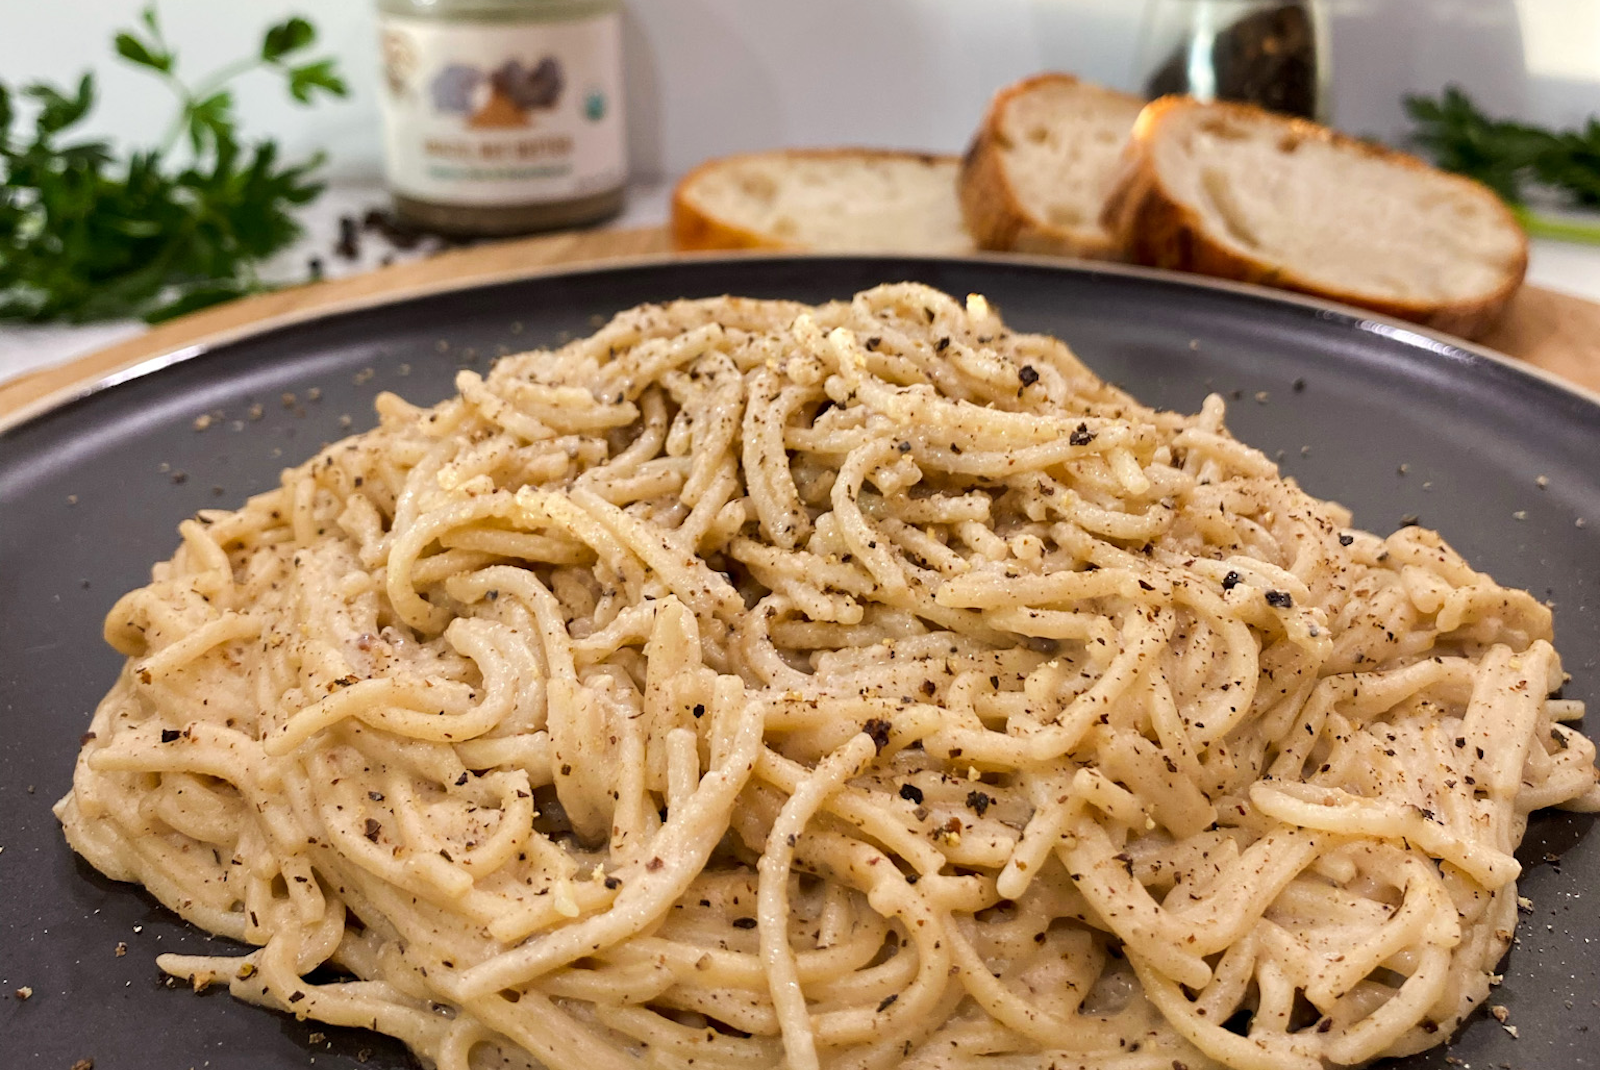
708 77
713 76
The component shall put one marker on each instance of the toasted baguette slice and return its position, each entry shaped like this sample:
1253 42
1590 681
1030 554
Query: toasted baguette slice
1036 175
839 200
1238 192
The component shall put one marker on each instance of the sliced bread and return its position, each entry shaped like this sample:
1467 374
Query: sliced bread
1036 175
837 200
1241 193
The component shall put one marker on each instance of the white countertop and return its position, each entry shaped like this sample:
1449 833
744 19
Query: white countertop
1563 266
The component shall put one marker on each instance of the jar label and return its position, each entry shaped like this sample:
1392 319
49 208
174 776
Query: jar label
504 112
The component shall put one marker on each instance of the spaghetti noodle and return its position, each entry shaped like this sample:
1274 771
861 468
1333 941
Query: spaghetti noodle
863 685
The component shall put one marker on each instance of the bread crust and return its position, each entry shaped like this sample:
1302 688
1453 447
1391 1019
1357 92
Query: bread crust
994 213
1152 226
696 228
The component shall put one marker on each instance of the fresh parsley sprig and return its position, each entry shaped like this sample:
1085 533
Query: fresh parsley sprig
86 234
1514 159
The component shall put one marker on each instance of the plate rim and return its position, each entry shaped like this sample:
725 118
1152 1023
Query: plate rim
1362 320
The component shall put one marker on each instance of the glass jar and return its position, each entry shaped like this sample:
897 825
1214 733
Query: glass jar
503 116
1273 53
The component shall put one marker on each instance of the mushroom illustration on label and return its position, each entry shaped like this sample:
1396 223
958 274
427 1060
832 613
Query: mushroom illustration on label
454 89
500 99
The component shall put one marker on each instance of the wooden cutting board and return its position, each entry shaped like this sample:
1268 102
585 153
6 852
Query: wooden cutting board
1550 331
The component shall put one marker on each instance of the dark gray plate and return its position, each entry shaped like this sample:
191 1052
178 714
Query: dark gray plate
1388 421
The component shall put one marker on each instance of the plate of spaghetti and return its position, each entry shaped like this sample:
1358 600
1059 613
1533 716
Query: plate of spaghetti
852 662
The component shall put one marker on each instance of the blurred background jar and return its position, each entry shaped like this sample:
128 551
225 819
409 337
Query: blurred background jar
502 116
1274 53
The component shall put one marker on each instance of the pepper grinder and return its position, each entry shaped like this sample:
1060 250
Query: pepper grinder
1273 53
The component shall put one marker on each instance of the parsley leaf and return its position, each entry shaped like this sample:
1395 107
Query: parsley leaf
288 36
87 233
304 81
134 50
1513 159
